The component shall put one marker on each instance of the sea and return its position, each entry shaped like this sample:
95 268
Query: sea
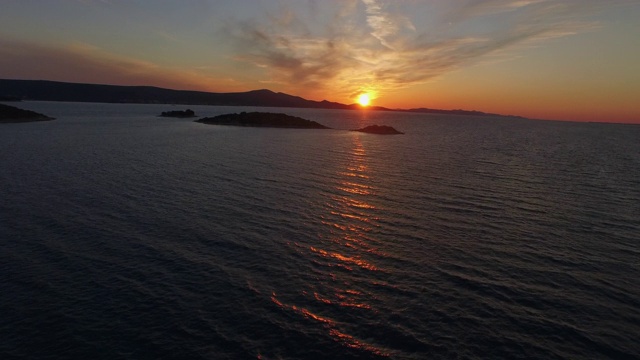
124 235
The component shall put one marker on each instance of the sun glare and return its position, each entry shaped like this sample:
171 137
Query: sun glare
364 100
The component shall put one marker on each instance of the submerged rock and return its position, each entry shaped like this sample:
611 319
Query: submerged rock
379 129
179 113
262 119
10 114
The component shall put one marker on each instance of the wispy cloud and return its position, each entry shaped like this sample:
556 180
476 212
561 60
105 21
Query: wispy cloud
386 26
373 45
474 8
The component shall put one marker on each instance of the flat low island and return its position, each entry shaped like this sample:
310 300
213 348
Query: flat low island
262 119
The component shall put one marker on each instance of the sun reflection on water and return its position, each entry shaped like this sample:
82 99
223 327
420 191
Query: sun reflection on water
345 259
351 216
347 247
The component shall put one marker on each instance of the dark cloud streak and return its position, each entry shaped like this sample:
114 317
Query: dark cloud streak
81 63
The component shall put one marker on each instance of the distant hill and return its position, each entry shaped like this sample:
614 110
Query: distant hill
43 90
62 91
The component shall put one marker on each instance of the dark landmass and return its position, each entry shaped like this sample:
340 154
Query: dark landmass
379 129
72 92
10 114
262 119
179 113
42 90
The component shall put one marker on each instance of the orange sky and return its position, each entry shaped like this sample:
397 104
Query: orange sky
569 60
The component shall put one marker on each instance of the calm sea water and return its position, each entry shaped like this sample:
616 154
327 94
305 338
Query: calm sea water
128 236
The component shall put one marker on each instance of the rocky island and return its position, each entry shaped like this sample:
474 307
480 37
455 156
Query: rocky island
379 129
178 113
262 119
10 114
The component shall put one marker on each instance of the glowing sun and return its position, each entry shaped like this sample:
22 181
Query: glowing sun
364 100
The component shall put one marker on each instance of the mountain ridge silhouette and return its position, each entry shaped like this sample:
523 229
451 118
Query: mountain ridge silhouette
46 90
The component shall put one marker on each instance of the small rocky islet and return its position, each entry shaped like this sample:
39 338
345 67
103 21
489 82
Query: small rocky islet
280 120
379 129
12 114
178 113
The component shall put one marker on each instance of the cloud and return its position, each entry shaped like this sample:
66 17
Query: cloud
85 63
475 8
375 45
386 26
292 55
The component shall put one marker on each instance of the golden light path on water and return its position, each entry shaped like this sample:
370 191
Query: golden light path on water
345 248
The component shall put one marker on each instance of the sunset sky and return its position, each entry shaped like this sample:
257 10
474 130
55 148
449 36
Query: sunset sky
566 60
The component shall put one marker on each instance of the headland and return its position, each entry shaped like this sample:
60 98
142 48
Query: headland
11 114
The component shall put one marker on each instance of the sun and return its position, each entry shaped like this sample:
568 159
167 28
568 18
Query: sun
364 99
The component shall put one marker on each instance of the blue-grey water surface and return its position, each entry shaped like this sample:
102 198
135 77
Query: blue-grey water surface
128 236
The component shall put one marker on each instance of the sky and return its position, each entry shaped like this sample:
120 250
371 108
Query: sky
575 60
